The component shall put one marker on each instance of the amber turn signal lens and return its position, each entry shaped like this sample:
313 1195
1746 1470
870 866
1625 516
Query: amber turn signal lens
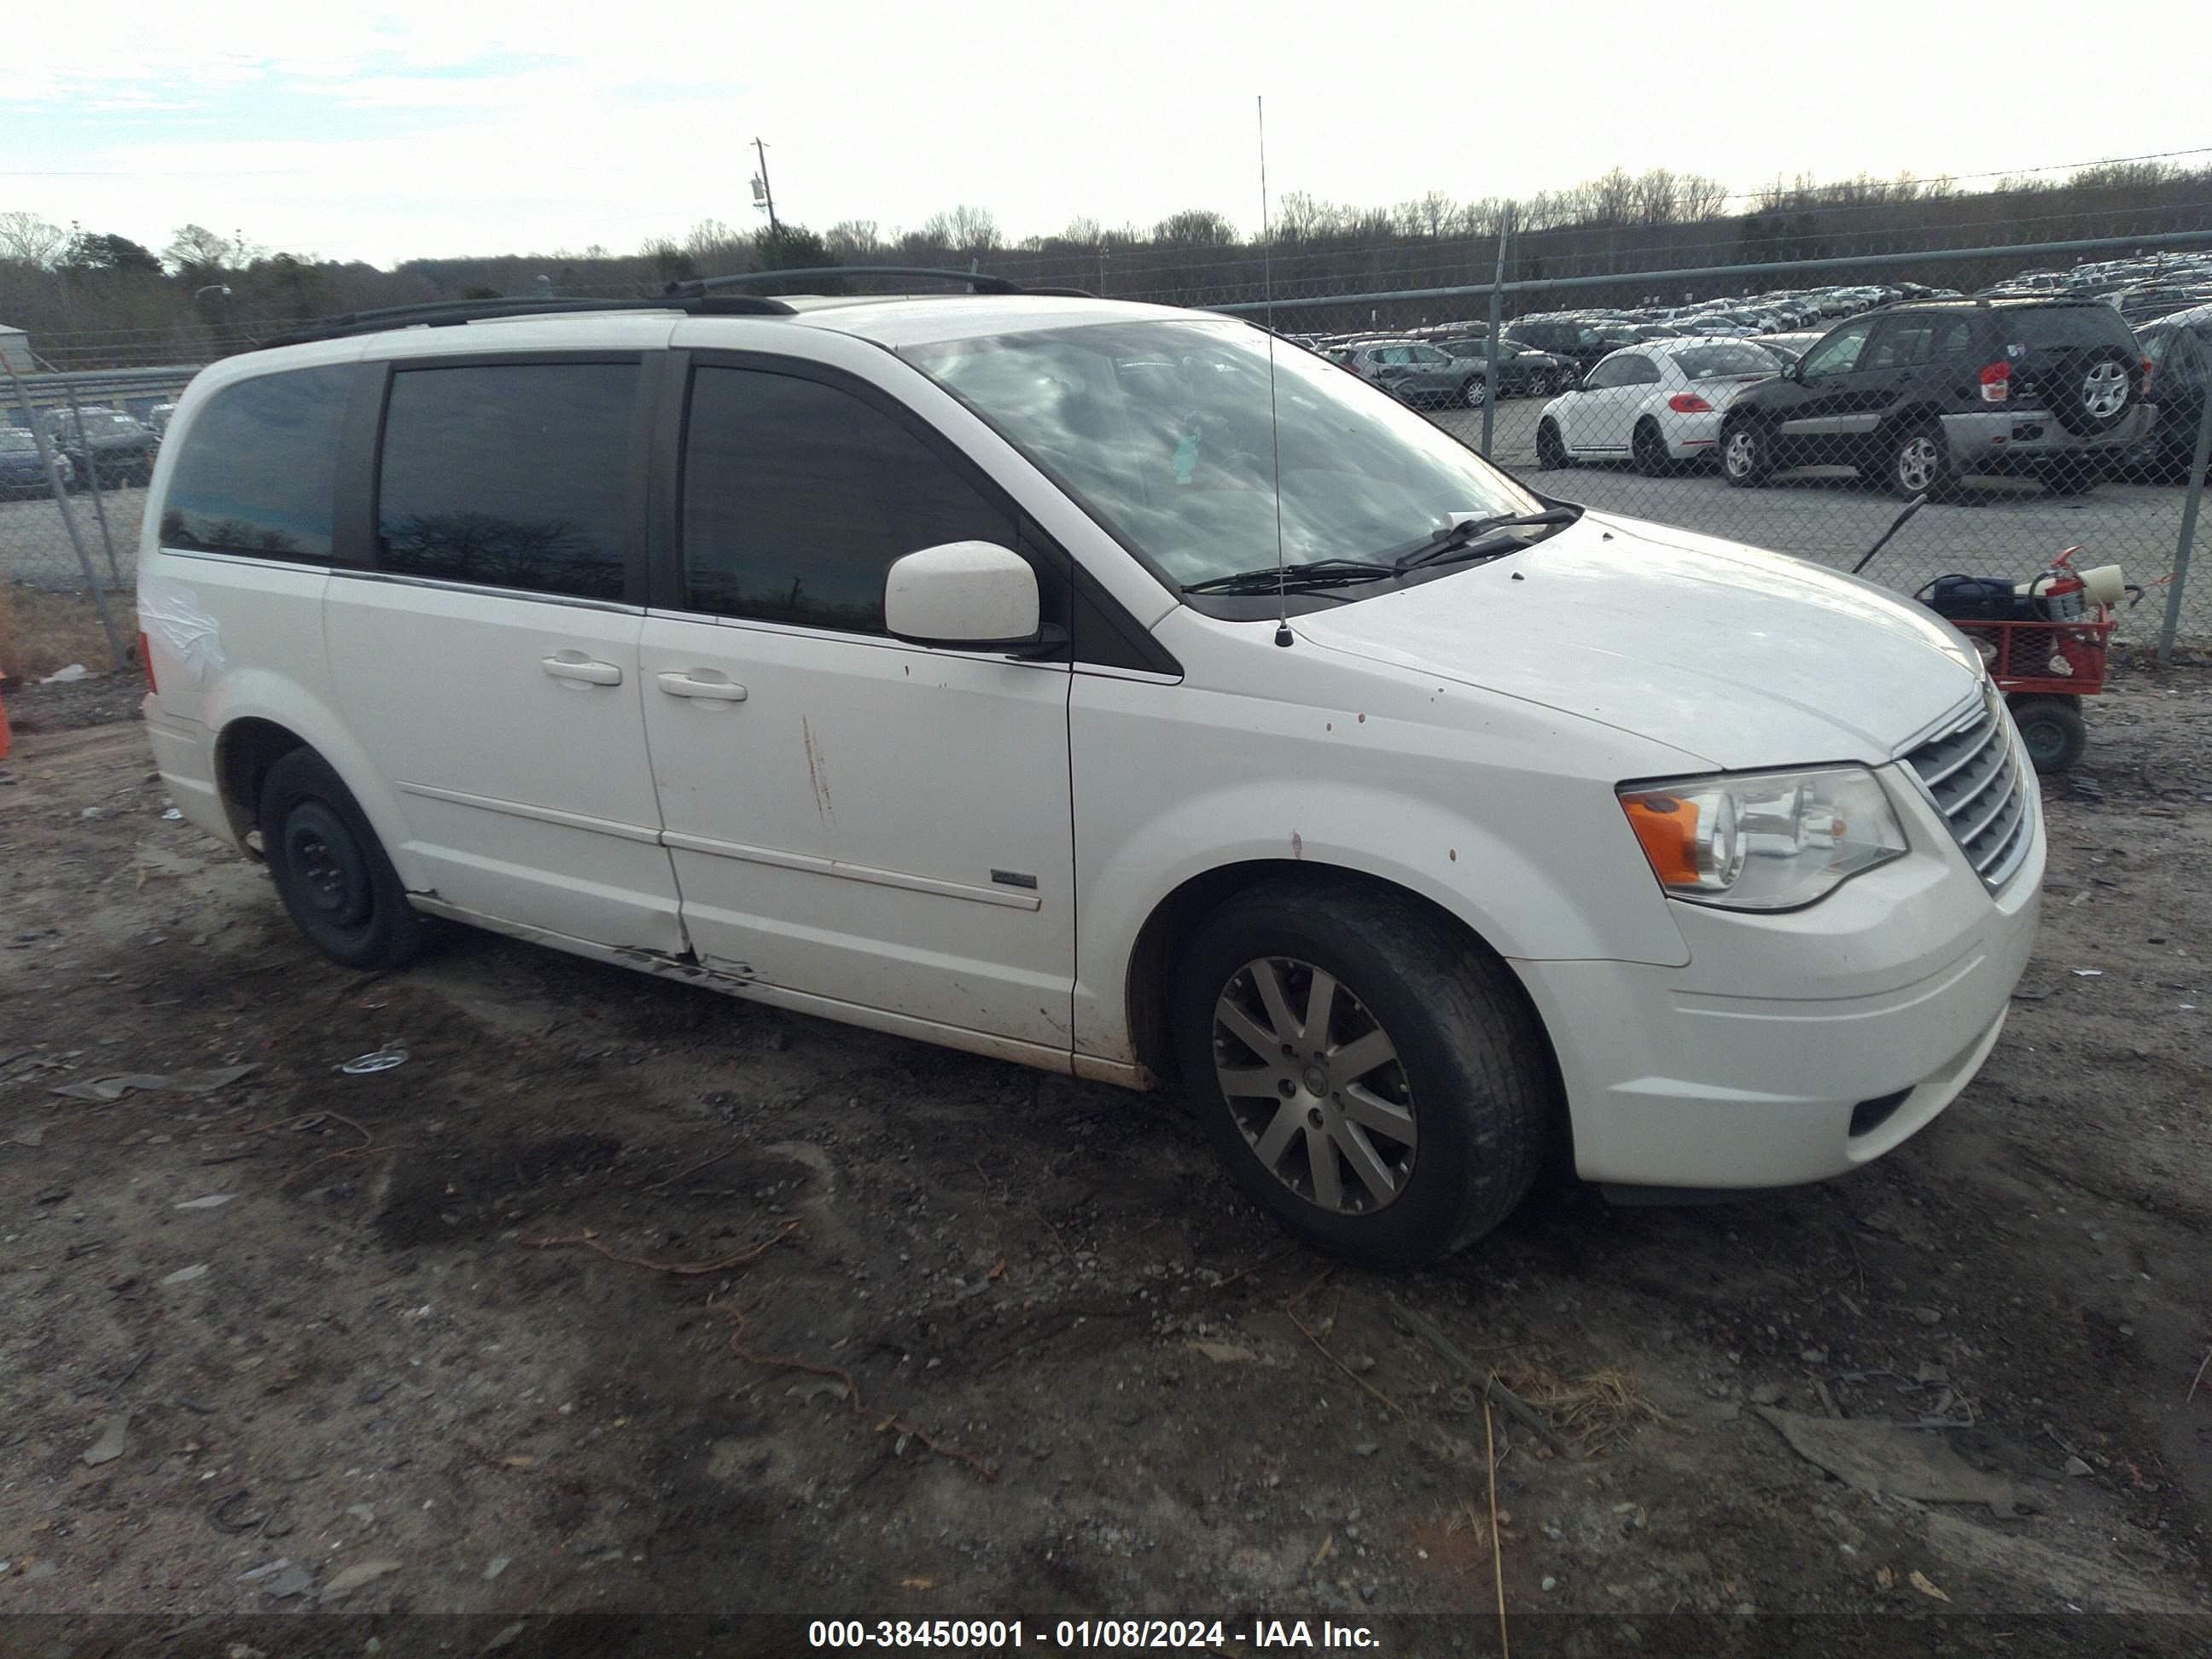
1668 826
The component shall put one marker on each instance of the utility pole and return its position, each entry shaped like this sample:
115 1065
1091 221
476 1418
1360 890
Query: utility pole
764 196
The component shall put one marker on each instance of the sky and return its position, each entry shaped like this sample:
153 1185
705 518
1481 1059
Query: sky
389 132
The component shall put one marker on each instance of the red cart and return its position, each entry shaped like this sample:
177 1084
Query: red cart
2044 669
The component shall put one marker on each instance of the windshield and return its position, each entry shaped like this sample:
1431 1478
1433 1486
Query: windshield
1161 430
16 439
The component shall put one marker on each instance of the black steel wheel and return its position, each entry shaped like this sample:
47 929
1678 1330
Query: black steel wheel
329 869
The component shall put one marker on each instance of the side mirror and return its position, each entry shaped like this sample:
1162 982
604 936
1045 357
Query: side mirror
973 596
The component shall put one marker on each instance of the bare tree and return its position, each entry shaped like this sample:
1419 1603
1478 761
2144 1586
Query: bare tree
1083 231
1196 228
1300 215
1697 197
852 238
27 239
713 236
1656 200
1612 197
965 228
199 253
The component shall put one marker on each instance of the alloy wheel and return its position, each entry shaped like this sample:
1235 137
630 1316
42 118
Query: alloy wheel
2105 390
1315 1085
1918 463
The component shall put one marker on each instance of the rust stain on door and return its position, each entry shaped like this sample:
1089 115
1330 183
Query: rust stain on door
818 772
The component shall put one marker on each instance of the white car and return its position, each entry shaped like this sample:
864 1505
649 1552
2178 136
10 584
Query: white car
956 667
1657 404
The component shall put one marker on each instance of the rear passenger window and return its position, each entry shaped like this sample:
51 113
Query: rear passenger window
798 496
259 467
510 475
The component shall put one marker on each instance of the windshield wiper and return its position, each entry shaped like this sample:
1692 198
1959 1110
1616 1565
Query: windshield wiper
1313 572
1460 541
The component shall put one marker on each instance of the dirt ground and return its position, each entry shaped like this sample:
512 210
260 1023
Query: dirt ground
620 1296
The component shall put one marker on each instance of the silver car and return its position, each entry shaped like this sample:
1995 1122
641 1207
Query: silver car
1415 372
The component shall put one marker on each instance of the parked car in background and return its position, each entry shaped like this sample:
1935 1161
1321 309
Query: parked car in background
2146 301
21 471
1657 405
1576 341
1517 370
158 417
1791 346
106 446
1418 373
2179 348
1919 395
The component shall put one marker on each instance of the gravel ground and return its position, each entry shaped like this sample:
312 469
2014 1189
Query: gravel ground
621 1296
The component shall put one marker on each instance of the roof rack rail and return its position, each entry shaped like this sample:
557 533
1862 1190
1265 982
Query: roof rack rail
976 281
696 295
447 313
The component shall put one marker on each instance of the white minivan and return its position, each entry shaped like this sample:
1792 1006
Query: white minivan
1079 683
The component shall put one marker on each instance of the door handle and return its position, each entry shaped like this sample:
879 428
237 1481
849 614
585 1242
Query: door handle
580 668
683 685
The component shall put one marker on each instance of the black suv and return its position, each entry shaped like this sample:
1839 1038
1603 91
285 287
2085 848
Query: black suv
1921 394
120 448
1576 338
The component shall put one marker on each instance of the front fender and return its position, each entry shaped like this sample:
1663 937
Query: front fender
1517 891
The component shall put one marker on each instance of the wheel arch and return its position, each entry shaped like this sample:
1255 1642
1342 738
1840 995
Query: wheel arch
244 750
1149 980
259 718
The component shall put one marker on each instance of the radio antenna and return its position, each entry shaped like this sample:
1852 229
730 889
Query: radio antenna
1283 635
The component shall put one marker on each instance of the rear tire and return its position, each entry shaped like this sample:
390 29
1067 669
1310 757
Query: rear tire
331 870
1648 450
2090 391
1919 463
1326 1030
2052 731
1474 391
1551 448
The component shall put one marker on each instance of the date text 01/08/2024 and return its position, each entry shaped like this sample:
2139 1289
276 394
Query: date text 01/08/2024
988 1635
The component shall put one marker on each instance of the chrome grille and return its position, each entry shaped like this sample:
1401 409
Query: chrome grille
1974 775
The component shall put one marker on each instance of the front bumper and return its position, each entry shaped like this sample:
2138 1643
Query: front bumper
1744 1069
2002 436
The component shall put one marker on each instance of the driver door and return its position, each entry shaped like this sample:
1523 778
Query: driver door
1833 411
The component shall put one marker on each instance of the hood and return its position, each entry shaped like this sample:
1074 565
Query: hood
1738 656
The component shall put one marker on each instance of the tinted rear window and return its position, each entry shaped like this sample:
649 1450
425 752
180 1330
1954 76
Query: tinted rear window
1713 361
509 475
2068 327
259 466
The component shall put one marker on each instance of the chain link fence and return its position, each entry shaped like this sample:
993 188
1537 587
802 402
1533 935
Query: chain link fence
1621 388
1792 405
101 431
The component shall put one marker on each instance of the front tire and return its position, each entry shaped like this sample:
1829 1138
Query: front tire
1371 1081
1551 448
1474 391
1648 450
331 870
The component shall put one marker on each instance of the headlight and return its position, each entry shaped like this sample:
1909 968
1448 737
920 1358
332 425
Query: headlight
1763 840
